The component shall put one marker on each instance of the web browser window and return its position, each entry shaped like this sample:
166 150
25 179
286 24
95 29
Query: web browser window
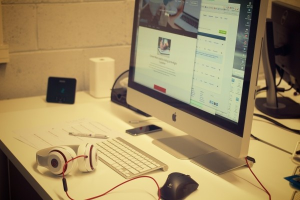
216 42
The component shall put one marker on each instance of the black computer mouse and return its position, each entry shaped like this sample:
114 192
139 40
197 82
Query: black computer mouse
178 186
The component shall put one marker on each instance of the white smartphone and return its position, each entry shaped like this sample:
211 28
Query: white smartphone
143 130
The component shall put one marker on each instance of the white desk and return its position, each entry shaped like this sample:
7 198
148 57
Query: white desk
17 114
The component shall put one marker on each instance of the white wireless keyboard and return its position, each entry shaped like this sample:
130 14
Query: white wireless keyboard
126 159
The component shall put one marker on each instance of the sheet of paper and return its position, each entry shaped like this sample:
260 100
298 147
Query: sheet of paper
43 137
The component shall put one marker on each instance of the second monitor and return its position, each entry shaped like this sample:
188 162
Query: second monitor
281 56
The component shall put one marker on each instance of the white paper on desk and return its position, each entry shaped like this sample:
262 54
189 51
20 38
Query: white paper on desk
43 137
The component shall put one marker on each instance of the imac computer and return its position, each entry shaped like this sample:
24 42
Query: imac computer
194 65
281 54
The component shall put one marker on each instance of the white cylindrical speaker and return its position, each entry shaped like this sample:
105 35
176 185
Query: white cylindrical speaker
102 75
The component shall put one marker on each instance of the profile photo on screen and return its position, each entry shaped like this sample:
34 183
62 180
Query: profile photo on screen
164 46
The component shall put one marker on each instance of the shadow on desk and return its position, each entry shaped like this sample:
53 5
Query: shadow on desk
46 173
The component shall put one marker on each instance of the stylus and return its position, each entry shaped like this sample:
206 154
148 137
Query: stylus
92 135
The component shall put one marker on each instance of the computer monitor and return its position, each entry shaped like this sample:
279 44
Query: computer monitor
281 54
205 84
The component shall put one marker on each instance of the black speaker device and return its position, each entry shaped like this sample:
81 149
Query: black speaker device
61 90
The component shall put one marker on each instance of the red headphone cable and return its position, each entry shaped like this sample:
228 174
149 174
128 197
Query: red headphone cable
66 186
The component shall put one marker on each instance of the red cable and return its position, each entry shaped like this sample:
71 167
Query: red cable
66 190
258 180
126 182
68 195
64 167
63 173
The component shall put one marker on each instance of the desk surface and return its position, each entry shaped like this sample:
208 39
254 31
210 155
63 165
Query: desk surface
272 165
279 137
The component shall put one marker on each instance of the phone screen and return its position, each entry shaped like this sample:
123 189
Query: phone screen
144 130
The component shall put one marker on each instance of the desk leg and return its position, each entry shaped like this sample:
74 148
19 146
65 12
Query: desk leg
4 181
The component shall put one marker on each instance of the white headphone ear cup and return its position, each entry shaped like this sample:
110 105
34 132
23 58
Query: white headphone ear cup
90 163
57 157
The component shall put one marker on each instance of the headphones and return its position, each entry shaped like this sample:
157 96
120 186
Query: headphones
54 158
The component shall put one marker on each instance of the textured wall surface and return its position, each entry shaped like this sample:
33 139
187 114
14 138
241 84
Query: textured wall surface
57 37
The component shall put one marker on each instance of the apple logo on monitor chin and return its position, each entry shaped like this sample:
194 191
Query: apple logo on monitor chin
174 117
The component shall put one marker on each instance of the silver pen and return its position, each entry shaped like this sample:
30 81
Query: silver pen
91 135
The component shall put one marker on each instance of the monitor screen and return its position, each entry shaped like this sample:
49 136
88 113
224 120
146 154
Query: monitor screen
199 74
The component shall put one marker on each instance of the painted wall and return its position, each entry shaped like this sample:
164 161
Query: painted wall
57 37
